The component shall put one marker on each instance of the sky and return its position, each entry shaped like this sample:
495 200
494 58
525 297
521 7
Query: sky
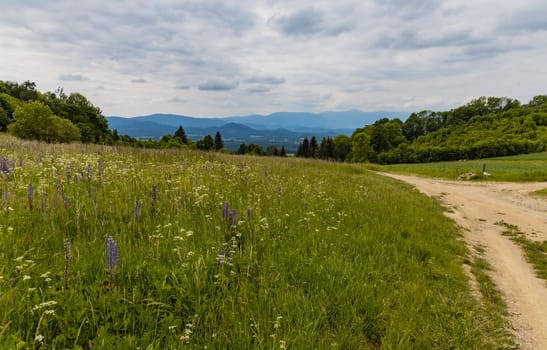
219 58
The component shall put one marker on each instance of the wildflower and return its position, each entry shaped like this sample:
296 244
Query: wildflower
225 211
111 259
154 194
26 277
249 214
137 211
44 305
39 338
4 165
49 312
66 275
111 254
30 196
89 173
233 216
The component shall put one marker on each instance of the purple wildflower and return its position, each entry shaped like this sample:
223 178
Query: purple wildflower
154 194
249 214
111 254
30 196
66 275
225 211
4 165
137 211
233 215
111 259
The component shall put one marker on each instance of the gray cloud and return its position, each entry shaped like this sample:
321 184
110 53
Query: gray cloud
268 80
258 89
182 87
217 85
139 81
308 22
73 77
178 100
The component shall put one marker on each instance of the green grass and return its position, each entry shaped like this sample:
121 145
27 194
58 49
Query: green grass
492 301
527 167
535 251
331 256
540 193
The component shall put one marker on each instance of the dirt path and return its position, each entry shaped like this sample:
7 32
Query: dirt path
476 207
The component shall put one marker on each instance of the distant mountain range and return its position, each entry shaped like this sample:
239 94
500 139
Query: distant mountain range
279 129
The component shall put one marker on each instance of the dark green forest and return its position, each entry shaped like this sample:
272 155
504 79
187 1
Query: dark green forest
485 127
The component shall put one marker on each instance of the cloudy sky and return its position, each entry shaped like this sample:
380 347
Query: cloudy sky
236 57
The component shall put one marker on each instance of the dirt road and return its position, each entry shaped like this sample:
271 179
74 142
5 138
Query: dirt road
476 207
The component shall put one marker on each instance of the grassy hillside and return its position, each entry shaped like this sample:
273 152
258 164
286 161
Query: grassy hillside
526 167
224 252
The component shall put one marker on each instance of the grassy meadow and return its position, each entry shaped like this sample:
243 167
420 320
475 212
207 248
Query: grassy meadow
120 248
526 167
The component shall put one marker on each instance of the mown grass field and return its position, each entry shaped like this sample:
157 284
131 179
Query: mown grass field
527 167
225 252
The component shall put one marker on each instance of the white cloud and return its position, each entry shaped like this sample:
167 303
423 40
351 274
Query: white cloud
238 57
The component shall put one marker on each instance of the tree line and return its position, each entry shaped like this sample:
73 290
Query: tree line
484 127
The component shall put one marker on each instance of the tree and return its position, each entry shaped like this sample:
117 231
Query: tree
304 148
342 147
34 120
206 143
218 144
181 135
314 148
282 152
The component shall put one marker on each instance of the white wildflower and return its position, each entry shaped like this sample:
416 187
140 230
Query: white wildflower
39 338
26 277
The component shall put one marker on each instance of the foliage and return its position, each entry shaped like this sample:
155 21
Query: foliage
206 143
485 127
92 125
34 120
171 249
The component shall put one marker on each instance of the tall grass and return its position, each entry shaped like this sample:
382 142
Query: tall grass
318 256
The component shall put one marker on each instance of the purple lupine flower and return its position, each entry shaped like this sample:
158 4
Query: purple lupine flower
249 214
111 259
233 215
66 275
30 196
89 173
154 194
4 165
225 210
137 211
111 254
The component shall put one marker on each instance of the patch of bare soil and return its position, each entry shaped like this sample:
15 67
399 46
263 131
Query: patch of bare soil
477 207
